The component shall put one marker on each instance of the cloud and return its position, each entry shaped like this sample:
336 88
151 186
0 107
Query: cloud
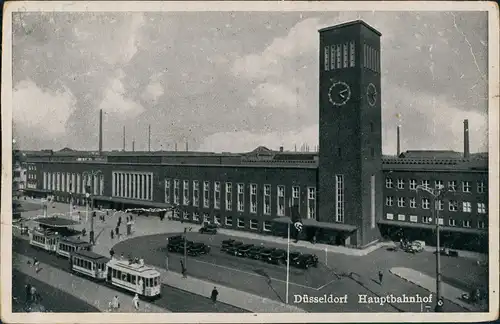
116 102
44 110
153 91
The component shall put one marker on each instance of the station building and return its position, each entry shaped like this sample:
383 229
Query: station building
348 193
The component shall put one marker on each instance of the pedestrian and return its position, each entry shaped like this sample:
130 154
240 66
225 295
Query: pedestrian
33 293
184 271
214 295
112 253
136 302
116 303
122 257
117 230
28 292
112 234
37 264
380 276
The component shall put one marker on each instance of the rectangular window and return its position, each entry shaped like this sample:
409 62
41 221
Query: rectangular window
253 198
452 222
254 224
466 223
413 218
339 190
167 191
241 197
196 193
401 202
372 201
466 207
332 57
352 54
389 201
327 54
453 205
439 205
206 194
413 184
425 183
229 196
217 220
267 199
339 56
185 215
176 191
425 203
346 55
217 195
401 184
438 184
241 223
369 57
480 187
466 186
365 50
296 196
206 218
196 217
481 208
281 201
185 189
389 216
388 183
426 219
401 217
44 180
311 202
266 226
441 221
481 225
452 185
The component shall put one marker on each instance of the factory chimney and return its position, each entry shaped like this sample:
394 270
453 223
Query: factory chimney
123 138
187 146
398 139
466 139
133 145
149 138
176 147
100 132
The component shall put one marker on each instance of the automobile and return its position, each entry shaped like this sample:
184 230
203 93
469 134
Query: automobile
208 229
178 246
254 252
306 260
294 257
196 249
415 247
265 254
227 244
278 256
242 250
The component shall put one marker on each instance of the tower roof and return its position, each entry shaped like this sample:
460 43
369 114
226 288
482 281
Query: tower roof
351 23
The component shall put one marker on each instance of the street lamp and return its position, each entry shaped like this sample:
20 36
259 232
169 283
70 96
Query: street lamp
89 190
436 194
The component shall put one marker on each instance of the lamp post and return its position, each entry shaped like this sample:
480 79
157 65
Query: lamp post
436 193
89 190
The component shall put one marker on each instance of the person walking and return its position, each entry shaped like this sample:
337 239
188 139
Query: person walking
214 295
116 303
380 276
28 292
184 271
37 264
112 234
111 253
135 300
33 293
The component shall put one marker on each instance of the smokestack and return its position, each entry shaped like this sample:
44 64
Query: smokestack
176 147
133 145
187 146
123 138
100 132
149 138
399 140
295 147
466 139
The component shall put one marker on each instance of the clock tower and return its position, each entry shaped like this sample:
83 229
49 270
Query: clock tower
350 131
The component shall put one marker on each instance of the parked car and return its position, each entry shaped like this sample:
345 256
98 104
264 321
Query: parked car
415 247
305 261
254 252
208 229
294 257
230 244
196 249
178 246
242 250
265 254
278 256
233 249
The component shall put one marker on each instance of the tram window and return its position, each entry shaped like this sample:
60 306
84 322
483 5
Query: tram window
114 273
93 266
124 277
150 282
129 277
146 282
133 280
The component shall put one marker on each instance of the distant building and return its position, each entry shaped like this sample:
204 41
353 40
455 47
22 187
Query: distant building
347 193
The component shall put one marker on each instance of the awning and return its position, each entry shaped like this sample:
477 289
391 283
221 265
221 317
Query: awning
137 202
37 190
56 222
433 227
309 222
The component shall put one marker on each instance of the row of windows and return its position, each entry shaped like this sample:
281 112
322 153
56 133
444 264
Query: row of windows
340 56
32 167
426 203
133 185
339 190
228 221
31 176
43 240
74 182
173 196
146 282
428 220
371 59
438 184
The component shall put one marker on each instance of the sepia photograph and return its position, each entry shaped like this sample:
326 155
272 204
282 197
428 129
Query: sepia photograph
249 162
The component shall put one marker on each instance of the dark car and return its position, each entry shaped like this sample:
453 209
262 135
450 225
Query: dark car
306 260
230 245
178 246
278 256
265 254
208 229
242 250
196 249
294 257
254 252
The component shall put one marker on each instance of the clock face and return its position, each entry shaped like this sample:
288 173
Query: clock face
339 93
371 94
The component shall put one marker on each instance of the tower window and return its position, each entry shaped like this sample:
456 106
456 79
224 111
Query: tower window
327 55
364 55
332 57
372 152
346 52
339 152
339 58
372 127
352 54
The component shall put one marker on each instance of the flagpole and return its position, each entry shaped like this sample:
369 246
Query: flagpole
287 261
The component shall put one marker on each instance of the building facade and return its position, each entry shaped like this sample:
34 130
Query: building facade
347 193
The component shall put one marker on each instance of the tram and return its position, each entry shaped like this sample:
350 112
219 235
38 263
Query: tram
135 277
89 264
44 239
67 245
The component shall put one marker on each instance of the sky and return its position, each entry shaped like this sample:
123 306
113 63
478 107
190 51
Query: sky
232 81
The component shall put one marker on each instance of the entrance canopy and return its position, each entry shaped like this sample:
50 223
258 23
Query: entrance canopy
47 191
432 227
143 203
56 222
309 222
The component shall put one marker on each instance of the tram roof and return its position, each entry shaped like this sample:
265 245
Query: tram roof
56 222
144 270
74 240
90 255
